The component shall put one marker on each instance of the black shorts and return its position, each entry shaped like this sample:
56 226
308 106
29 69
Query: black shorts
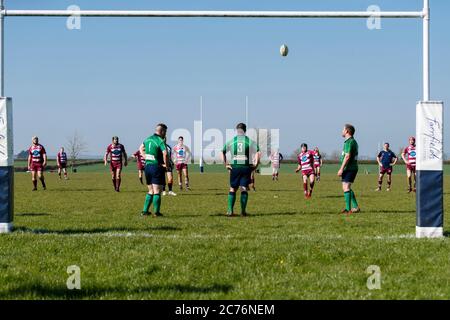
349 176
240 177
155 174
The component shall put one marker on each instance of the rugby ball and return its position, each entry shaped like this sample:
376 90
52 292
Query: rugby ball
284 50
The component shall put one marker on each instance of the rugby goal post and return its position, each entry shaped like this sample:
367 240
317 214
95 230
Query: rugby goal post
429 114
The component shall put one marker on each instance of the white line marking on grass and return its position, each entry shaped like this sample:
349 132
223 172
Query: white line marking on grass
217 236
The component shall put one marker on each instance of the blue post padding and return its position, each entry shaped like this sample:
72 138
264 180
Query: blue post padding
6 194
429 198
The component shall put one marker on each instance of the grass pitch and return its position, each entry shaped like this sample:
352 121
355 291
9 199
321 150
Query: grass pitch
288 248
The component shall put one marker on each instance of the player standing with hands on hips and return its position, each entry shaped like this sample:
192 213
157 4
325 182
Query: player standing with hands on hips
386 160
243 150
154 151
349 169
118 156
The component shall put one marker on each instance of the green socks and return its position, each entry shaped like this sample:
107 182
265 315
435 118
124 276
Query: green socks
354 202
148 202
157 202
244 199
348 197
231 201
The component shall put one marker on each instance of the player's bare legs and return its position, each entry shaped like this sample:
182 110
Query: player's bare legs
380 181
169 184
318 174
409 178
180 179
118 179
59 173
140 175
312 179
389 181
41 177
34 179
186 177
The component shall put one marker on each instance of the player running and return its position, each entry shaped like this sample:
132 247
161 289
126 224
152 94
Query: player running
349 169
318 162
37 161
409 157
155 153
116 152
61 161
242 150
275 158
306 165
182 156
140 163
386 160
169 171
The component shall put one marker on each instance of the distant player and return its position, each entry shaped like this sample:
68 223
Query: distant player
349 169
306 166
140 163
118 157
275 158
182 156
155 152
242 150
169 171
318 162
37 161
386 160
409 157
61 161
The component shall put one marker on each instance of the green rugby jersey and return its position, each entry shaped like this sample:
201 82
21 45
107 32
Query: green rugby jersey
351 147
154 146
242 150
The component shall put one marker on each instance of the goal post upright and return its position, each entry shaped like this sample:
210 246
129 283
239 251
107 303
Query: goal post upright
429 114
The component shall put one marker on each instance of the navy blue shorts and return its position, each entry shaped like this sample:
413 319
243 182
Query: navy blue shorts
349 176
240 177
155 174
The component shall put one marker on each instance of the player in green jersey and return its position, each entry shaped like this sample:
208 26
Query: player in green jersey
154 151
349 169
243 150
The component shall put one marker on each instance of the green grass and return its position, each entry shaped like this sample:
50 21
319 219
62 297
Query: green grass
288 248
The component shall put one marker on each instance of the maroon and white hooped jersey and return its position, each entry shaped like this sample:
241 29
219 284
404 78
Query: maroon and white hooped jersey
117 151
306 160
275 158
62 157
37 153
180 154
317 158
139 158
410 155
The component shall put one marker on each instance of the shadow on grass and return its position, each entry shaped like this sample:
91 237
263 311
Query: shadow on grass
51 292
95 230
27 214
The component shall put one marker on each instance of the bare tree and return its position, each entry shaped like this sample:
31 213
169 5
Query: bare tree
75 147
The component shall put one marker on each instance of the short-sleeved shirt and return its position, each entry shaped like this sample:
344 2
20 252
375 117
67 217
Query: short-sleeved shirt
117 152
386 158
37 153
350 147
410 154
154 147
306 160
139 158
242 150
62 157
180 152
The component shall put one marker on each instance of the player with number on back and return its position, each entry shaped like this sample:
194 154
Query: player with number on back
243 150
182 155
409 157
61 161
37 160
306 165
386 160
116 152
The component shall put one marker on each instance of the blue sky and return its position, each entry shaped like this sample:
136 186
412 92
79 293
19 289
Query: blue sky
120 76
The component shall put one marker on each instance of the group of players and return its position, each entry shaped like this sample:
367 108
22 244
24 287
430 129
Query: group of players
156 160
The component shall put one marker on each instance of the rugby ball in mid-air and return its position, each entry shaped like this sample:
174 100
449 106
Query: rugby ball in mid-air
284 50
